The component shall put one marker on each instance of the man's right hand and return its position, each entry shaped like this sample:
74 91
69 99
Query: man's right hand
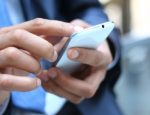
22 46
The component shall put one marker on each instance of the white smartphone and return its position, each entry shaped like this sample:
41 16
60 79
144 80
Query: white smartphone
88 38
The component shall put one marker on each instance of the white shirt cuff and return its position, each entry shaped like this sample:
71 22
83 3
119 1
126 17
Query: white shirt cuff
4 105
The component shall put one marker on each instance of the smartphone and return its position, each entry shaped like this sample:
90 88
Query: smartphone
88 38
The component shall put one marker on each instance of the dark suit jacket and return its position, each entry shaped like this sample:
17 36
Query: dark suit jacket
103 103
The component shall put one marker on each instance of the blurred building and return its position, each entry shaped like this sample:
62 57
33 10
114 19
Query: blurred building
133 18
130 15
140 13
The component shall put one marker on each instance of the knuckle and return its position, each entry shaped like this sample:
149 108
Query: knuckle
64 29
17 34
97 59
5 83
49 50
76 21
89 92
76 100
38 22
96 62
61 28
11 53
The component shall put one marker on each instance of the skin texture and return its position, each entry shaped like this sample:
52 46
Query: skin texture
84 82
21 48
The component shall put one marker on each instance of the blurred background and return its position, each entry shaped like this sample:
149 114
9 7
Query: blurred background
133 87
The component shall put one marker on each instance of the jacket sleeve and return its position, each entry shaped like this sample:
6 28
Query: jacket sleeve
92 12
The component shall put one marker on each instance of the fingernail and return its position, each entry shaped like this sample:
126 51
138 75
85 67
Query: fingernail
53 58
38 82
39 72
52 74
78 28
73 54
43 76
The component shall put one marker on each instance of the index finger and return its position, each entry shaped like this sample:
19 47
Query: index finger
41 26
78 22
29 42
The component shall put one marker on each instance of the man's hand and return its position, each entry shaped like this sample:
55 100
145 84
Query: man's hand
22 46
85 82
